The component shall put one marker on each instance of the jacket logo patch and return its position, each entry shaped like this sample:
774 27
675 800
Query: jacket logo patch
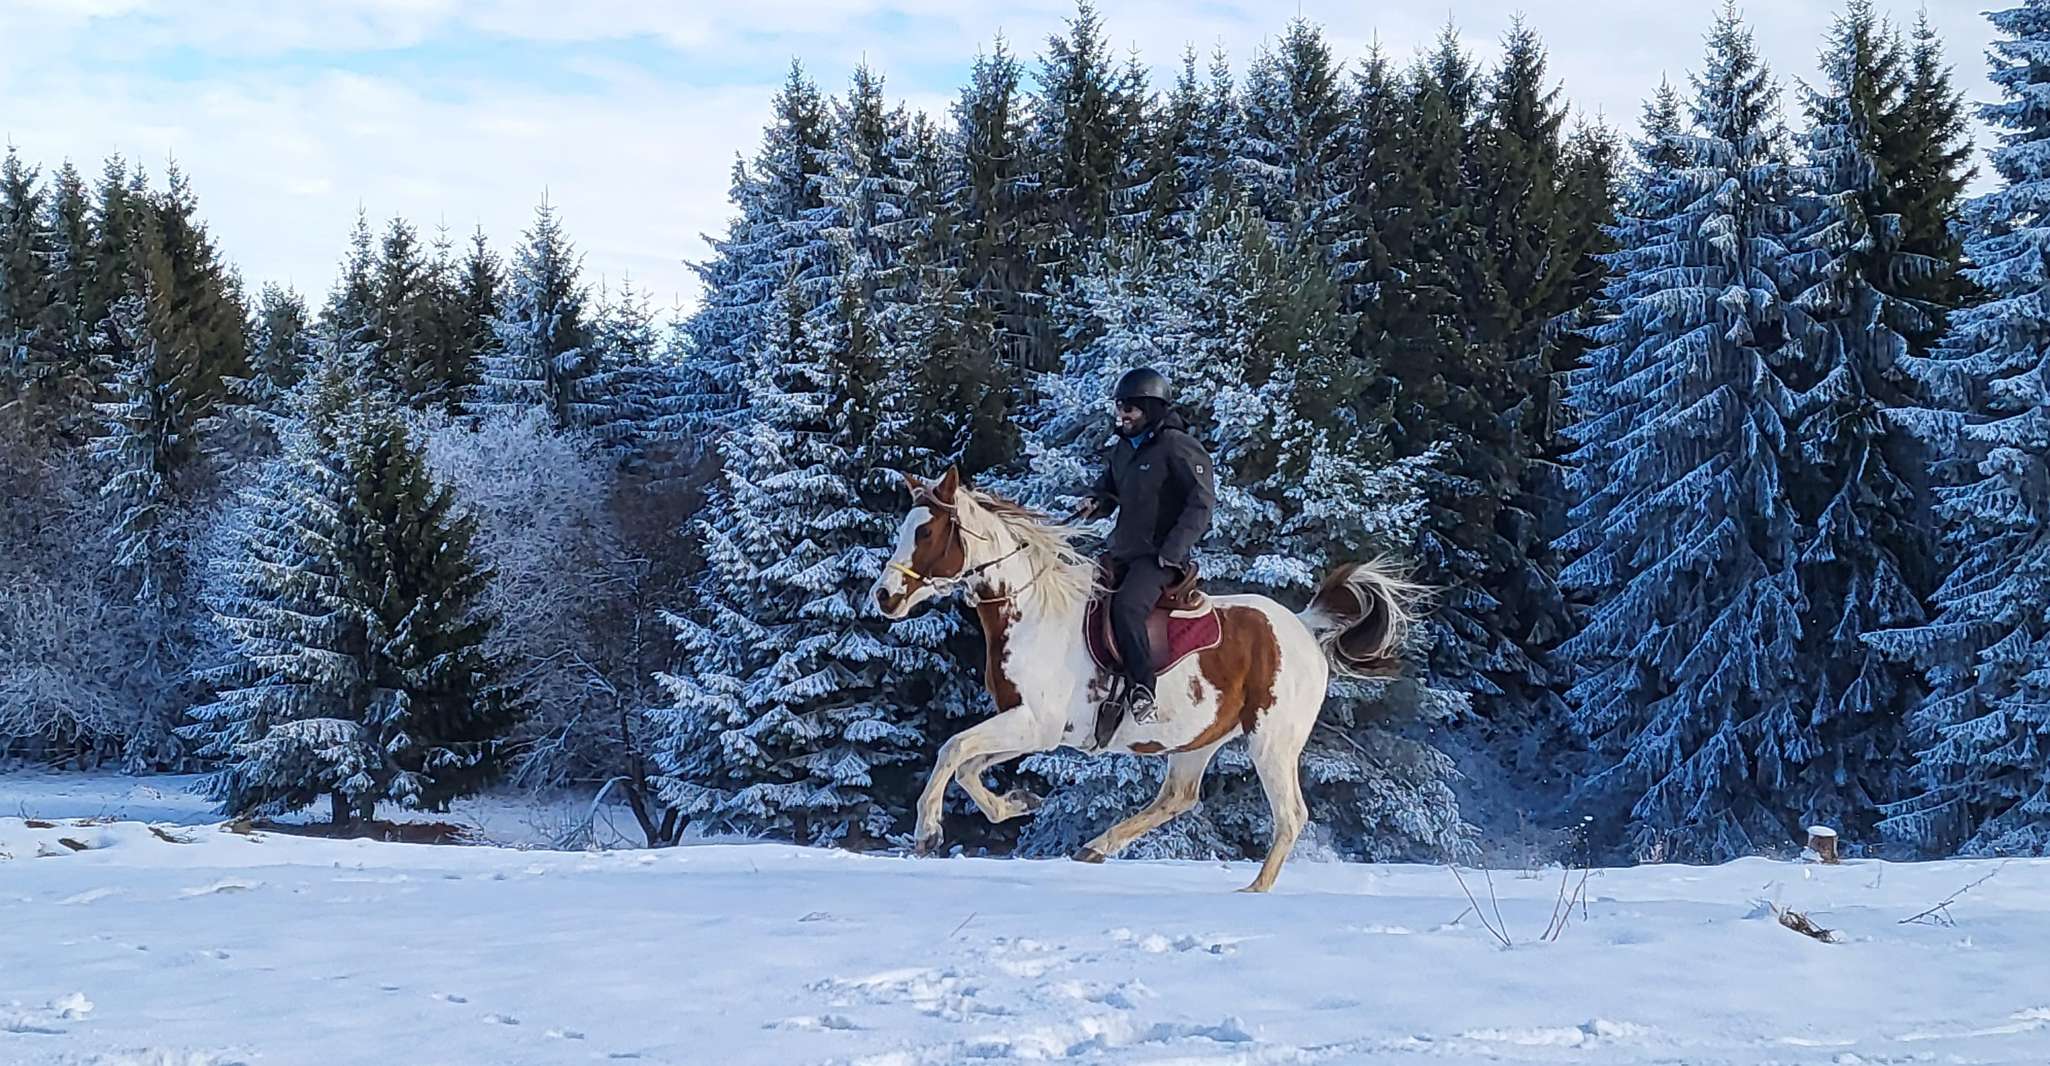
1145 466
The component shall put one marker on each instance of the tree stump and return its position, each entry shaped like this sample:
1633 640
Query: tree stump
1822 841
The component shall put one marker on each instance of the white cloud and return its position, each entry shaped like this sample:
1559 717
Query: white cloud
283 142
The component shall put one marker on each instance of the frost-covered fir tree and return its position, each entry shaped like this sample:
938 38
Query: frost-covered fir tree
1253 335
353 300
998 234
468 309
25 338
544 356
137 447
402 316
1684 541
1982 734
775 235
257 416
785 719
119 199
1077 138
955 388
1291 149
1836 748
358 672
1164 178
1932 165
636 381
807 727
45 266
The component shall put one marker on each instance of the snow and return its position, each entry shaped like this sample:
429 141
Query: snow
267 948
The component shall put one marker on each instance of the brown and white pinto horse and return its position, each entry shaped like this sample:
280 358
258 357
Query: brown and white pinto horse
1265 680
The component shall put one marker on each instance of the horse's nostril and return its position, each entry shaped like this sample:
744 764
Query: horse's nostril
883 598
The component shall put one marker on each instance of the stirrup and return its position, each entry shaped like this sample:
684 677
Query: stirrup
1143 711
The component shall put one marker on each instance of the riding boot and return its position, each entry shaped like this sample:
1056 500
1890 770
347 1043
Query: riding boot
1139 703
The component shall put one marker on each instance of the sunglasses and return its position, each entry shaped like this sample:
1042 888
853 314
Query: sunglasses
1127 405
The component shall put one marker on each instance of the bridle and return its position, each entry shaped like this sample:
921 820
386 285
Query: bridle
948 585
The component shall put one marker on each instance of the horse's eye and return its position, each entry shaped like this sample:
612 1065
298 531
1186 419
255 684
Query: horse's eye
924 531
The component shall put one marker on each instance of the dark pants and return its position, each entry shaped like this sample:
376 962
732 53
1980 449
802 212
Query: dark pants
1143 583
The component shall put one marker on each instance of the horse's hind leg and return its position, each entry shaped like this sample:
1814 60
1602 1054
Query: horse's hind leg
1177 794
1277 755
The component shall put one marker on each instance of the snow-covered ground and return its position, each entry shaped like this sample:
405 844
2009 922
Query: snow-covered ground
209 948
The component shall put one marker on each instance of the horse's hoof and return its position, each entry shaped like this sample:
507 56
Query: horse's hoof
1089 855
1257 889
1023 802
926 847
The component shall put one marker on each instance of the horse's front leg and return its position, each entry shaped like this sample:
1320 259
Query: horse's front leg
994 807
1015 731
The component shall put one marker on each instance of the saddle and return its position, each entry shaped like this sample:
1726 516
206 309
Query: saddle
1183 622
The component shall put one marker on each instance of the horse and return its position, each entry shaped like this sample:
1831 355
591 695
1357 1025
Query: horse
1265 679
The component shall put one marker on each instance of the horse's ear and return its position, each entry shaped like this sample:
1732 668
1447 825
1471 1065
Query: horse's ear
947 486
912 484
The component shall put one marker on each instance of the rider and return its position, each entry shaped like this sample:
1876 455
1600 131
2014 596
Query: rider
1159 482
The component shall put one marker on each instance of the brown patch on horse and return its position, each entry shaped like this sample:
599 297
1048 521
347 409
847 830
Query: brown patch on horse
996 617
938 550
1196 688
1242 669
1148 747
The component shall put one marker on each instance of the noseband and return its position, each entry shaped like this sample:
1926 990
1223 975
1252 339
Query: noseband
947 585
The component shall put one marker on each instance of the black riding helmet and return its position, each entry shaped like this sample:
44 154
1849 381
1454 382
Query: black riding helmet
1144 383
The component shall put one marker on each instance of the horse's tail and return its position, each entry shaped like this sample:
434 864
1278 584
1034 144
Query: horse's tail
1361 615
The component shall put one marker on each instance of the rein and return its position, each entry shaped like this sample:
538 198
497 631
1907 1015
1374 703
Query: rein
947 586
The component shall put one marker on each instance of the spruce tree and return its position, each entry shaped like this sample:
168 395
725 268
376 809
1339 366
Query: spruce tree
1684 540
401 324
635 384
254 423
352 303
139 446
56 372
944 347
783 717
1078 138
202 328
544 355
1001 237
1931 156
360 675
1291 145
774 237
1832 755
1413 248
27 344
1981 779
117 211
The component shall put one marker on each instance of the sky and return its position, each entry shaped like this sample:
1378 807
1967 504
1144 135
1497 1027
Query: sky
627 115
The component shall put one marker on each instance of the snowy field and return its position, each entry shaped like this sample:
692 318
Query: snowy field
209 948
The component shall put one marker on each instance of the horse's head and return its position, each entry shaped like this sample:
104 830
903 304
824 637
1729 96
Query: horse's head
932 547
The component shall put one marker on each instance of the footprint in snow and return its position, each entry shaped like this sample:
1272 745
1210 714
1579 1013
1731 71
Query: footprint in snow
451 997
822 1022
501 1019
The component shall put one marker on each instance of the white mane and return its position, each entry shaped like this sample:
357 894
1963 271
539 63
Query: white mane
1063 580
